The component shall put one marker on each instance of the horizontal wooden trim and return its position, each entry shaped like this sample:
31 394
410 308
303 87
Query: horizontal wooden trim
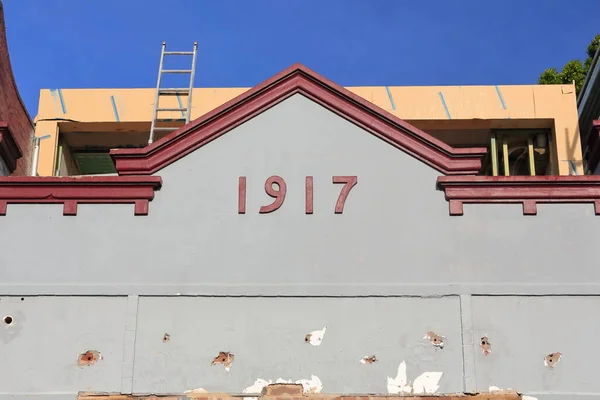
299 80
526 190
70 192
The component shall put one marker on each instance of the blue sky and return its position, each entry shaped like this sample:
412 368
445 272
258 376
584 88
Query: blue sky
116 43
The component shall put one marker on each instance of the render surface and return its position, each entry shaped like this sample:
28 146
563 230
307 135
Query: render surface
203 264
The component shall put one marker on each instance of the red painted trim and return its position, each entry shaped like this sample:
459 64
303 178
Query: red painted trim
242 195
349 182
9 149
309 195
70 192
278 194
527 190
592 152
299 79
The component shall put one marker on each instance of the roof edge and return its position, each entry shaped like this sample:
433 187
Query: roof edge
293 80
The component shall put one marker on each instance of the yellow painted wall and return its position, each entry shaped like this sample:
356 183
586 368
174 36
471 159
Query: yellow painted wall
424 103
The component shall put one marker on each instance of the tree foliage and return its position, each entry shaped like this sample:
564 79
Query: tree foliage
574 70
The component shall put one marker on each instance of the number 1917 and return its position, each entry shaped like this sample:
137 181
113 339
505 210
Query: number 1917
276 188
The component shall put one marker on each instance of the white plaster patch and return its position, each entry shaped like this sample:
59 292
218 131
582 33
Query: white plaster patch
315 337
426 383
496 389
198 390
398 384
312 385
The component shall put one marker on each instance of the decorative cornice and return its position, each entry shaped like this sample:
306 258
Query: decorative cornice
70 192
526 190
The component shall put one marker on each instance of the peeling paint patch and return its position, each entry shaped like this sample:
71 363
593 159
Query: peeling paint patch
426 383
198 390
166 338
485 345
89 358
496 389
225 358
312 385
552 359
315 337
368 359
436 340
399 383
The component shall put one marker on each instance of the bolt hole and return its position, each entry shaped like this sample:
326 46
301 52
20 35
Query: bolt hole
22 298
8 320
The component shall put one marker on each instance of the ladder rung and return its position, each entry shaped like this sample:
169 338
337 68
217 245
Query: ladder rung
171 109
164 128
173 91
176 71
179 53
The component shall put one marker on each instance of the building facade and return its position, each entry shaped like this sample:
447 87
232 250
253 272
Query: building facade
299 233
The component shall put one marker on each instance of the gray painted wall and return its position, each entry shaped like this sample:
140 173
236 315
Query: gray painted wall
393 266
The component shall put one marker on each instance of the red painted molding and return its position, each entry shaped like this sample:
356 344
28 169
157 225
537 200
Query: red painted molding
592 151
9 149
278 194
70 192
242 195
527 190
309 195
293 80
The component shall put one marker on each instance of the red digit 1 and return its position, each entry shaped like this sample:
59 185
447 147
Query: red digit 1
309 195
350 182
242 195
278 194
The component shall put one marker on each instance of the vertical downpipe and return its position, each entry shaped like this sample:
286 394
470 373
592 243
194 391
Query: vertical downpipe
36 154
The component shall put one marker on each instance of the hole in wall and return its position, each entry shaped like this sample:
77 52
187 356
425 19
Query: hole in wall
8 320
22 298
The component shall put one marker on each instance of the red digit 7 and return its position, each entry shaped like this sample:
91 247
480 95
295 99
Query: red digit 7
278 194
349 183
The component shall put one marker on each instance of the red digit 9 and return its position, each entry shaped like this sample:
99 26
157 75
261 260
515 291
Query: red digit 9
278 194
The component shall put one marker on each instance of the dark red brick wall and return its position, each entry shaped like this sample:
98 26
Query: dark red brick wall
12 109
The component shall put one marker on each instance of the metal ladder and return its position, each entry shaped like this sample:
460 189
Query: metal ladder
173 91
